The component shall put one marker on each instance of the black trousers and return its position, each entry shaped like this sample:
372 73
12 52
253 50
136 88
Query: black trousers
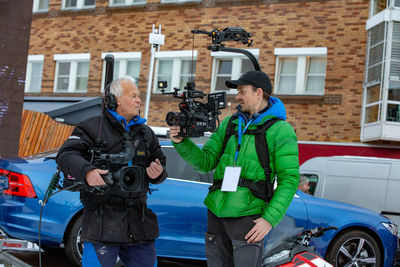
226 245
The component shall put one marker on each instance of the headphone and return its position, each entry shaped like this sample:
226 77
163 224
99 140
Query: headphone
110 99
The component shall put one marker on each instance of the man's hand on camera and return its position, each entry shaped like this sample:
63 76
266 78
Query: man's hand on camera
259 230
93 177
173 133
155 169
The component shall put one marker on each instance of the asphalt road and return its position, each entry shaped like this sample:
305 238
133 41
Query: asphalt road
57 258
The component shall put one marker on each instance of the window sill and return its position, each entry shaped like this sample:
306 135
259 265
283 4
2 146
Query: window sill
179 2
75 8
301 99
127 6
310 99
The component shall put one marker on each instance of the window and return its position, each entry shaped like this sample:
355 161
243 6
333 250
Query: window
34 69
313 178
300 71
126 2
178 168
175 67
125 63
72 73
78 4
229 66
40 5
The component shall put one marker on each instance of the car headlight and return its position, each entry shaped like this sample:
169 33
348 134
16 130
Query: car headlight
391 227
277 257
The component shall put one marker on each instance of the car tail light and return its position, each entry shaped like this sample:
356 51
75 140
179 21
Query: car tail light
18 184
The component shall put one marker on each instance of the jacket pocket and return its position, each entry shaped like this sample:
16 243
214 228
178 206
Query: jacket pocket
146 226
106 224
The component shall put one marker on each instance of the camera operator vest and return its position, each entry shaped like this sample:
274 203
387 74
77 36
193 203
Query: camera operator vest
260 189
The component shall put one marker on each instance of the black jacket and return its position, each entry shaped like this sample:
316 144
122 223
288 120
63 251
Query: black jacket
113 216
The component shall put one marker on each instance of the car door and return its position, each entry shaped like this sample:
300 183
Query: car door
178 203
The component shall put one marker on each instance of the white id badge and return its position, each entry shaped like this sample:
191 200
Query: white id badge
231 179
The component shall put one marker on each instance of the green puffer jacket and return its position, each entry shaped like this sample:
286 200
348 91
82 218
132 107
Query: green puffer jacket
284 162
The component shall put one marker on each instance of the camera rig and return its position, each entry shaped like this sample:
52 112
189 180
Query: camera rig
196 117
230 34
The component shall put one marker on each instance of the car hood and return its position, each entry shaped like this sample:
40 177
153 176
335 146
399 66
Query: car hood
315 204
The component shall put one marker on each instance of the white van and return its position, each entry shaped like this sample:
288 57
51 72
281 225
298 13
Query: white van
369 182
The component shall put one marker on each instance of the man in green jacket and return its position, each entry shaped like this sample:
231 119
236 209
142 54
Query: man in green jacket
238 220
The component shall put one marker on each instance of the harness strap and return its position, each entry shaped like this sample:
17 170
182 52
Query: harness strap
258 189
262 153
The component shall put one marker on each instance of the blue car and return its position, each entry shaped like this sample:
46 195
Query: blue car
363 237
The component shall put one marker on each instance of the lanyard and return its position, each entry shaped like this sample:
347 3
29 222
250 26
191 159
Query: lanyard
240 134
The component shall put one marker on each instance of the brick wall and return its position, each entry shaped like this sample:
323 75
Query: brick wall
338 25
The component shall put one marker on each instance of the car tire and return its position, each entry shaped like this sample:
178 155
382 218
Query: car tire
354 247
72 245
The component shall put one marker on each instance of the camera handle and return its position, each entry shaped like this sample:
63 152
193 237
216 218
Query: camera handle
230 34
108 179
217 48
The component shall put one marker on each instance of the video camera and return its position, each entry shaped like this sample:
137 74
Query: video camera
194 117
130 178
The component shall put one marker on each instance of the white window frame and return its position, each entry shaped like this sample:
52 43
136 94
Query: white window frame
236 66
79 5
127 3
73 59
176 57
36 9
301 53
123 58
28 79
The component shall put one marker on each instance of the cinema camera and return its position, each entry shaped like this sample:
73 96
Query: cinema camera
196 117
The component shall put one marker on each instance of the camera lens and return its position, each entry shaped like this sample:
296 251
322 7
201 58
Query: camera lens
132 179
128 179
176 118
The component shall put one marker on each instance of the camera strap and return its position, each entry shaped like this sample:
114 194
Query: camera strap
261 189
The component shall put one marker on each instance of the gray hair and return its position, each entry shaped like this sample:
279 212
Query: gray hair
116 89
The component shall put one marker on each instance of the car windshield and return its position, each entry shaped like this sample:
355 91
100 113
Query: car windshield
286 231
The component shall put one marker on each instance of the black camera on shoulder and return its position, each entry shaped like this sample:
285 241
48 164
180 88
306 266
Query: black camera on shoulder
130 178
194 117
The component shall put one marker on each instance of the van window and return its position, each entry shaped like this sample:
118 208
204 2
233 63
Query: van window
313 178
178 168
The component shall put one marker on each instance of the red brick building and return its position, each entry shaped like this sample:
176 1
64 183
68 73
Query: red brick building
315 52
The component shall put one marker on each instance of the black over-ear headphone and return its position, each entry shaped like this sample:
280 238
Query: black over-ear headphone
110 99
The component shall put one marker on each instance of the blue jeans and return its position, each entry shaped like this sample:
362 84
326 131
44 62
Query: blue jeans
131 256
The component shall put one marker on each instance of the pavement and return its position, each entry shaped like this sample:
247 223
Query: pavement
57 258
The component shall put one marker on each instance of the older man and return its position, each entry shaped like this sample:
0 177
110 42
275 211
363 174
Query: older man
116 222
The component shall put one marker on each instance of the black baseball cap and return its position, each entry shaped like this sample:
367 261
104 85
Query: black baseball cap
256 78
